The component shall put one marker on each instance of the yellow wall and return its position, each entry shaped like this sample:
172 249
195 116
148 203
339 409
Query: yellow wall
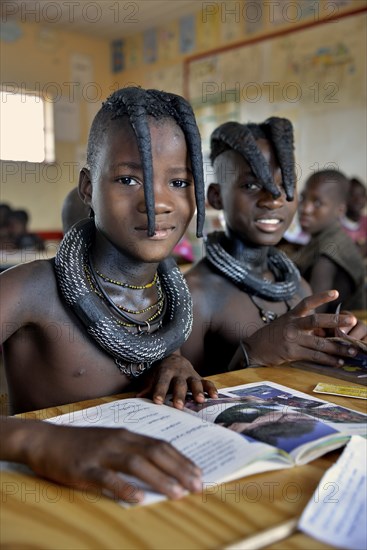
41 59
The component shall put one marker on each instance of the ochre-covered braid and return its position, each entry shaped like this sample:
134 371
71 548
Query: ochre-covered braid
281 131
193 140
242 138
137 104
238 137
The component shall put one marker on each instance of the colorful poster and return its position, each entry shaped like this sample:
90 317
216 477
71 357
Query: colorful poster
254 17
187 34
168 41
117 56
231 21
322 65
150 46
208 27
134 51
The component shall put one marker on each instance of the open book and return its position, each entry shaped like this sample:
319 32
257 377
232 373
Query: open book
251 428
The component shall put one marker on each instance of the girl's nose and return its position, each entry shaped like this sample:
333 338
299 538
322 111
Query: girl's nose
163 200
305 206
267 200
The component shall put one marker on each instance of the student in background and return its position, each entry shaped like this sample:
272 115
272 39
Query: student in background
5 212
354 222
331 259
244 289
20 237
73 210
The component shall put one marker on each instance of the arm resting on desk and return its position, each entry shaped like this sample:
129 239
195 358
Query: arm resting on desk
95 456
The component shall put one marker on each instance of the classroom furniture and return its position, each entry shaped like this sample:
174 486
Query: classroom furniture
36 513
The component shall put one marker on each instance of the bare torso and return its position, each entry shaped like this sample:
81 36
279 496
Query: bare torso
223 314
49 358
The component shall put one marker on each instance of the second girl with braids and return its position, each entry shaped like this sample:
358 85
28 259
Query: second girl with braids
245 291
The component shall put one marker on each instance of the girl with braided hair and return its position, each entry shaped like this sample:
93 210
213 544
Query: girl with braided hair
110 312
245 291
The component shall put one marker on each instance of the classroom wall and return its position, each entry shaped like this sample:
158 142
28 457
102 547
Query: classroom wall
73 71
219 57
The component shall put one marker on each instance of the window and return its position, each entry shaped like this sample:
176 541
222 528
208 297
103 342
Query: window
26 127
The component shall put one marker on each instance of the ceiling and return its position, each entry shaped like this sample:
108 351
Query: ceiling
109 19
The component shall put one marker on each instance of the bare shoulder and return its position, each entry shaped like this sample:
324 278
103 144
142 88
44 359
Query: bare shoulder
30 274
204 284
25 286
201 278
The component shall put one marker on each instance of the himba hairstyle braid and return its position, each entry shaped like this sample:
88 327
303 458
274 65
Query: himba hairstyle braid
137 104
242 139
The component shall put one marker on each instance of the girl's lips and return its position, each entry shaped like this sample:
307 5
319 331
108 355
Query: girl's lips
304 221
161 232
268 225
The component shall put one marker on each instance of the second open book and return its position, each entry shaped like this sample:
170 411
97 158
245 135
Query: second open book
251 428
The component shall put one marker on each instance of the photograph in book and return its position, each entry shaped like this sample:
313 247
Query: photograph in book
284 418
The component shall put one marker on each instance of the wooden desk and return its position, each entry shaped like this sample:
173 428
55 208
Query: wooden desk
39 514
361 314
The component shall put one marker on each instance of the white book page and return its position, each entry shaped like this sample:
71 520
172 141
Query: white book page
219 452
337 512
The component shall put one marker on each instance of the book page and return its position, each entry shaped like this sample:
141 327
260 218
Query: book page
337 512
303 426
220 453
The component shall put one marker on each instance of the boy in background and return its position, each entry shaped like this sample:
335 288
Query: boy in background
354 222
245 290
331 259
20 237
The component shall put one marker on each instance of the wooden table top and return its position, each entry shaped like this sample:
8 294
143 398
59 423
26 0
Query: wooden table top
36 513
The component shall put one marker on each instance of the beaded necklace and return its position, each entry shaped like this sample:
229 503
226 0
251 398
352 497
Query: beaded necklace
126 285
91 274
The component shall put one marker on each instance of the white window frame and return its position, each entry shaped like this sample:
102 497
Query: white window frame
48 127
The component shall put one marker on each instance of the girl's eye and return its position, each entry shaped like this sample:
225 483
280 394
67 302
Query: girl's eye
251 186
127 180
180 183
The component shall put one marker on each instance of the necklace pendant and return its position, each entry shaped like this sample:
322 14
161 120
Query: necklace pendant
144 329
267 316
132 370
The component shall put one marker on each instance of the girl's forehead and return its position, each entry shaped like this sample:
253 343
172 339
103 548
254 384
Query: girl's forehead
122 125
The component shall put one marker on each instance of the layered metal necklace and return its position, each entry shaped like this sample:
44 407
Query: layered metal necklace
286 274
156 318
133 352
